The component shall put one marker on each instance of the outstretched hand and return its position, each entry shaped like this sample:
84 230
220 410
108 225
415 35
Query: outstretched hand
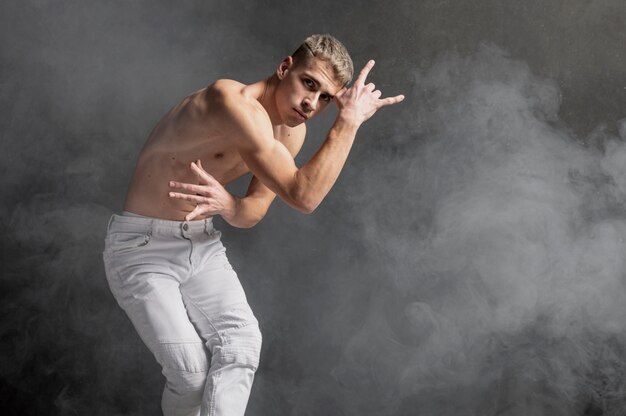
359 102
210 196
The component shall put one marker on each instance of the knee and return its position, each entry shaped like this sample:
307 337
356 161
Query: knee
185 384
243 346
239 339
185 366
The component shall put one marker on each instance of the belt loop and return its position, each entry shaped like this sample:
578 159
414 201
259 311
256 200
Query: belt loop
110 222
151 228
208 225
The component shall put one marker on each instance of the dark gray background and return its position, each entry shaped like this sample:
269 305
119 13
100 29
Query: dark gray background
469 261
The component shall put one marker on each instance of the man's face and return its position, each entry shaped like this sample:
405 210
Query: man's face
305 90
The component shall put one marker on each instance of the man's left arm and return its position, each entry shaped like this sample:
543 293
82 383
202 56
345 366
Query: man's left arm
213 198
250 209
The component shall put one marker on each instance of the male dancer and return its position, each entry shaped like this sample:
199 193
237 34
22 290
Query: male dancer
165 263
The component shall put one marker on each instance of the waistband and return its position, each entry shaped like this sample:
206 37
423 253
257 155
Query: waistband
129 221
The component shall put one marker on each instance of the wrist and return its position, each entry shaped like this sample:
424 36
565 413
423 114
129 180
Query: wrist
233 208
347 120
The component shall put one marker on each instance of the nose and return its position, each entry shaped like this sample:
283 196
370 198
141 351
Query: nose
311 102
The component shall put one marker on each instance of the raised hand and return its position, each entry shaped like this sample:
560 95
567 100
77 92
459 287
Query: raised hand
210 196
359 102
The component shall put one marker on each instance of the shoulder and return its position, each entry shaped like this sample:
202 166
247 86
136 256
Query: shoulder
229 98
238 114
231 93
223 88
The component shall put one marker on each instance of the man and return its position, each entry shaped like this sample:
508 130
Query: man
165 263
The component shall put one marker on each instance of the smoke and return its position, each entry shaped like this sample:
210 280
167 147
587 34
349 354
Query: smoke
502 239
82 83
467 262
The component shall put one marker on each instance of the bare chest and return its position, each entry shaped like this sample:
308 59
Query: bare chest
191 132
221 158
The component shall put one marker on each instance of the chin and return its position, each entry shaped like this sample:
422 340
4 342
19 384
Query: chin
293 121
290 119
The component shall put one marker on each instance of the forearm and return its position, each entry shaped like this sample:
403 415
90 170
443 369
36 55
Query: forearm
314 180
270 161
246 213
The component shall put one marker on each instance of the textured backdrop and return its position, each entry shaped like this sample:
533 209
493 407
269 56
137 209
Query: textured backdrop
469 261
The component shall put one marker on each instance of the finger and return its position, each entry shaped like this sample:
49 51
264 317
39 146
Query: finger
198 211
197 166
376 94
364 72
341 92
390 100
196 189
370 87
198 199
193 214
192 165
202 173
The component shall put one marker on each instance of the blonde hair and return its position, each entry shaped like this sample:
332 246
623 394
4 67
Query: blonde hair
329 49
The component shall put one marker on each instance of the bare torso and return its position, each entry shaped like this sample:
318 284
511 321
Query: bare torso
188 132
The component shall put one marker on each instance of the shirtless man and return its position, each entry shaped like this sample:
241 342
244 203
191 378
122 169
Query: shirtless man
165 263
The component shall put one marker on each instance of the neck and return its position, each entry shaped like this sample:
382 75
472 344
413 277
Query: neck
265 94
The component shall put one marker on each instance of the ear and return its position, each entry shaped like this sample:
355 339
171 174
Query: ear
284 67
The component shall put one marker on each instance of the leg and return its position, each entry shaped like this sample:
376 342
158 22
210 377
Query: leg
144 279
218 308
159 316
177 287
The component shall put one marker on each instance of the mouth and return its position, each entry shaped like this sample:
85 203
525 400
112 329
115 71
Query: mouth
301 115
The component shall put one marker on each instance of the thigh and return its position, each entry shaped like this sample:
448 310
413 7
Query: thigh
155 306
144 274
213 292
158 313
144 280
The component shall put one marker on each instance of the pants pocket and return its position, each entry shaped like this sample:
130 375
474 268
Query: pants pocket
125 241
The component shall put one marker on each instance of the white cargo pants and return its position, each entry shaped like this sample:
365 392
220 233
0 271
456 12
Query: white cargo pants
176 285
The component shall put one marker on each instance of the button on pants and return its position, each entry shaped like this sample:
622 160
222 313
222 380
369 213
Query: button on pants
175 283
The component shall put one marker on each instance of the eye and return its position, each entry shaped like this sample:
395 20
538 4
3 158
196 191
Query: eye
309 83
325 97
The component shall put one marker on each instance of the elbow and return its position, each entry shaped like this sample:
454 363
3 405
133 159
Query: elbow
249 223
304 204
306 209
254 220
301 198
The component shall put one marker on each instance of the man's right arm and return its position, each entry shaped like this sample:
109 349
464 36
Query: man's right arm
269 160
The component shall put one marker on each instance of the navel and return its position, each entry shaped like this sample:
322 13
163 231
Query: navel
219 155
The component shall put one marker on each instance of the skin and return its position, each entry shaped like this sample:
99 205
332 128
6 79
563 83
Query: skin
228 129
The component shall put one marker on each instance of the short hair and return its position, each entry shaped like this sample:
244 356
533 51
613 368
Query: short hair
329 49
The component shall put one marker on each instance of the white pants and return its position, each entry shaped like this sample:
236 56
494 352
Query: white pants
176 285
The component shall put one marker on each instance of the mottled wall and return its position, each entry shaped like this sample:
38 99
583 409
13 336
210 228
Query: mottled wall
469 261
